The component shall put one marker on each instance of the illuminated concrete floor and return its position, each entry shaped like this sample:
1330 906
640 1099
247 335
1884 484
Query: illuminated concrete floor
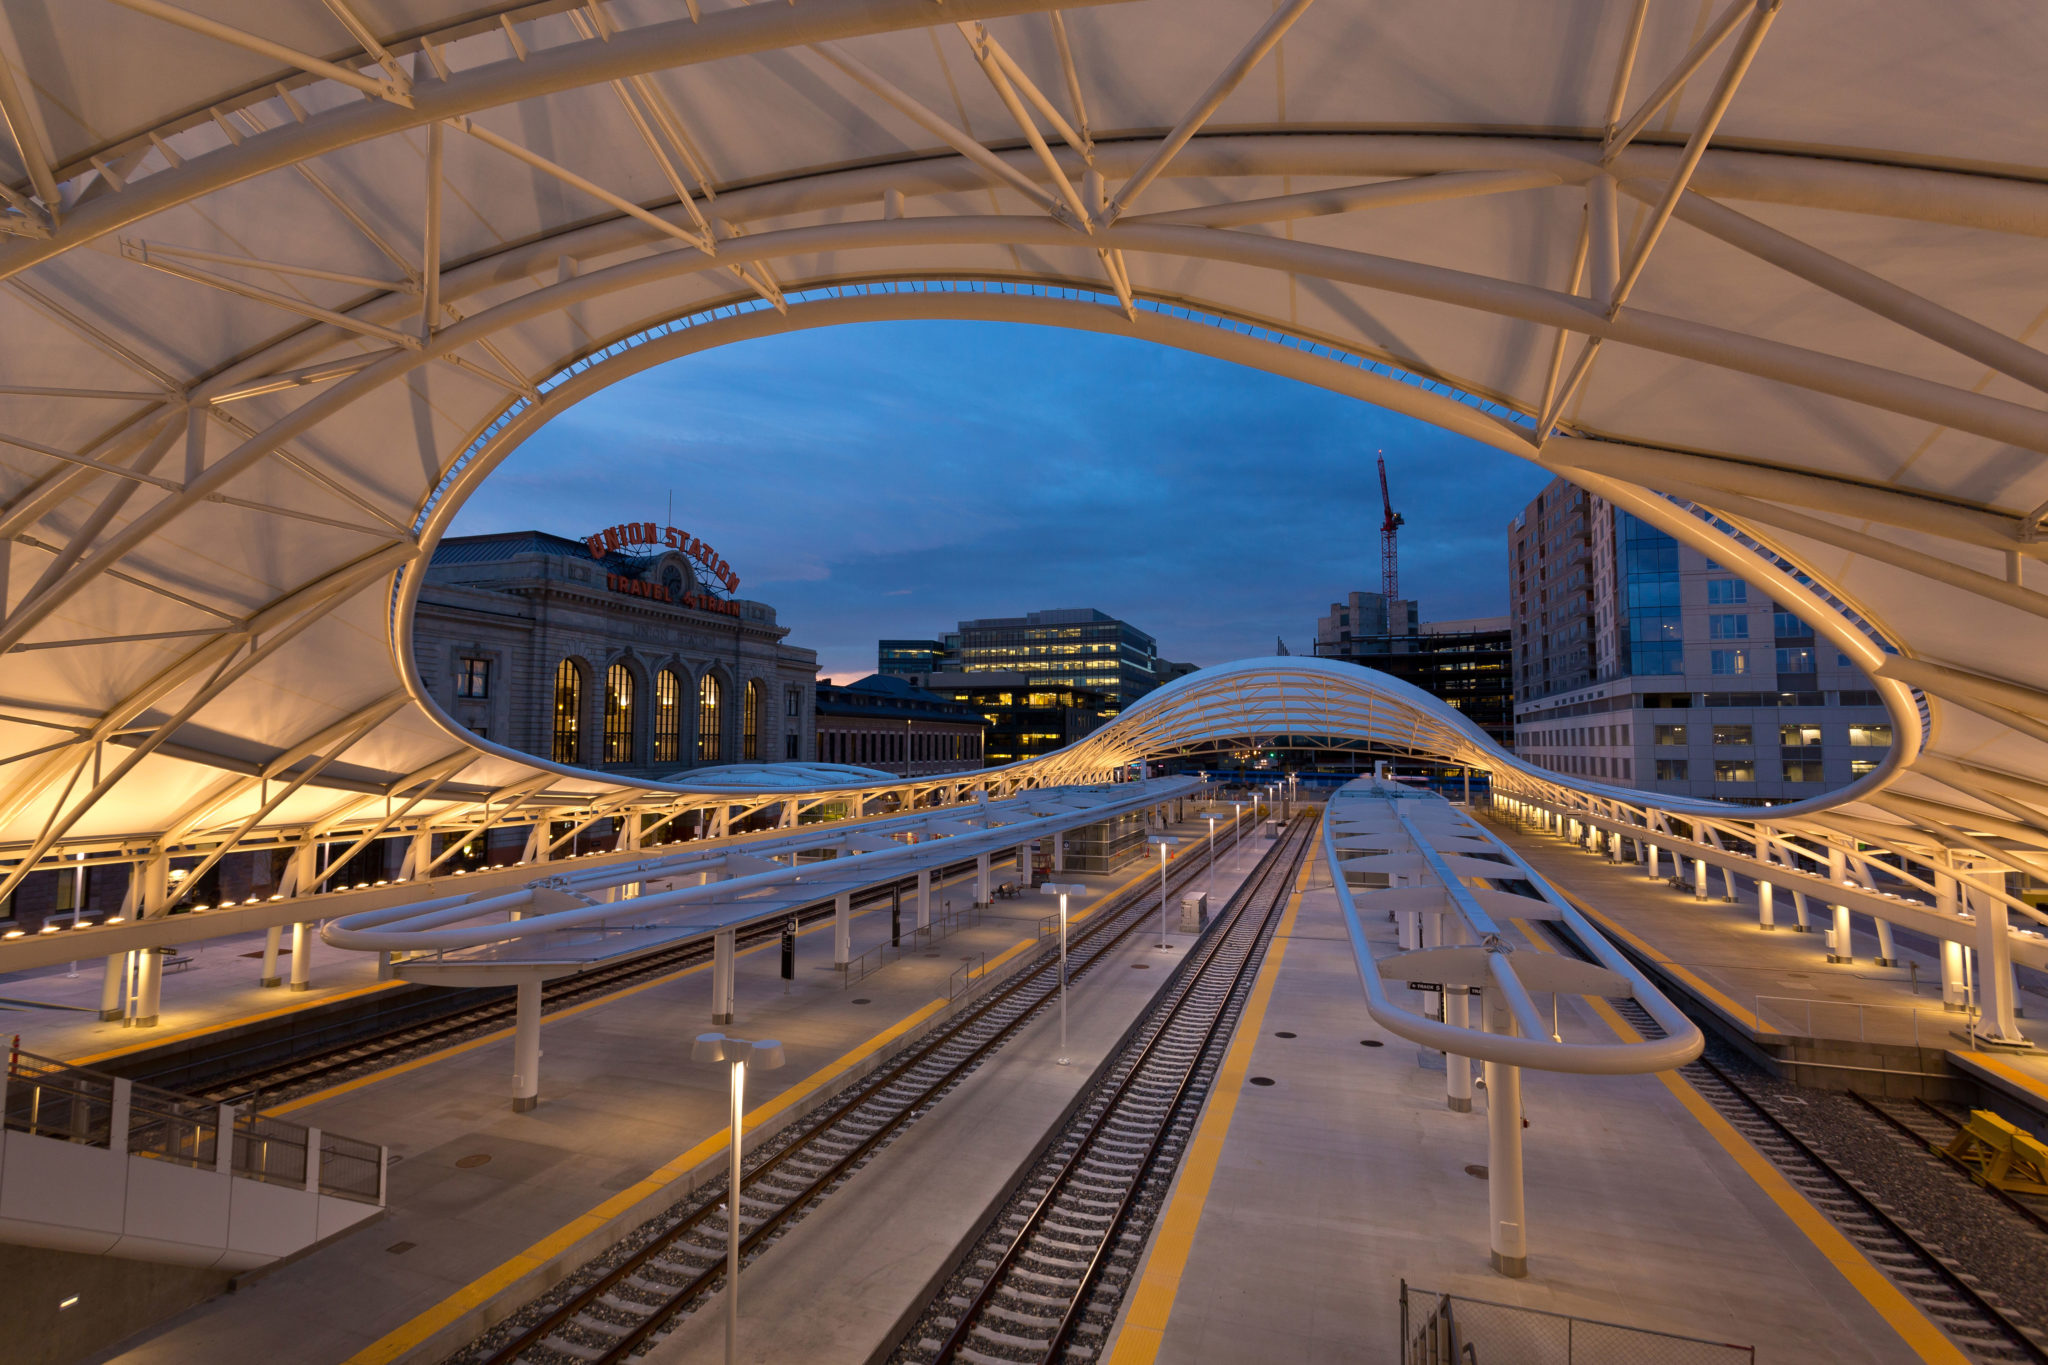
1347 1175
619 1100
1780 983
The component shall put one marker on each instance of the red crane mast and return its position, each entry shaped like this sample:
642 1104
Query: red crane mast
1390 530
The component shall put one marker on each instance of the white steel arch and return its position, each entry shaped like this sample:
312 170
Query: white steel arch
1770 281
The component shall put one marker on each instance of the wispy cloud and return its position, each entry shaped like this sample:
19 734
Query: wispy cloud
987 470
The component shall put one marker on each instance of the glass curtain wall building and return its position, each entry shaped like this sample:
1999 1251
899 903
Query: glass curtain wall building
1642 662
1080 648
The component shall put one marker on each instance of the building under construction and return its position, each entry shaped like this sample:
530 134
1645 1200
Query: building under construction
1466 662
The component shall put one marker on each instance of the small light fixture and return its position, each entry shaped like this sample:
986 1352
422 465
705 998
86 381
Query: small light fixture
118 919
11 933
67 1303
51 928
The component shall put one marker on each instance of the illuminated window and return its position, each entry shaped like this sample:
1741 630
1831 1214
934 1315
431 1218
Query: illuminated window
750 725
1730 662
473 678
709 721
1871 736
618 714
668 717
1862 767
1671 734
568 712
1734 770
1795 661
1733 734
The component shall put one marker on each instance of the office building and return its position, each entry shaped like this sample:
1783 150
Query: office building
1025 718
1079 648
886 723
633 657
901 658
1641 661
1463 662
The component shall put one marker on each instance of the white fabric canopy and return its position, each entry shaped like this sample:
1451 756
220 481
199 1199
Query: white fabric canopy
285 281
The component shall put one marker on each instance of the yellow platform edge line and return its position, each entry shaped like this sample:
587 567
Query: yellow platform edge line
2004 1070
1151 1306
502 1276
1692 979
507 1273
1904 1317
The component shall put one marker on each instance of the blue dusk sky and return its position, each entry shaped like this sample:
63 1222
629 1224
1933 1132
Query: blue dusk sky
892 479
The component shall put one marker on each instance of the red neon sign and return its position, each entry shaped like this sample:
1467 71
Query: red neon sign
645 535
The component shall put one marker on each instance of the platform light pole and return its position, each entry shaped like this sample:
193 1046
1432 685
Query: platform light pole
1212 818
1063 890
1165 841
765 1053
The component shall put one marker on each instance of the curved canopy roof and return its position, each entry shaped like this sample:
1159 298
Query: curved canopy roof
284 281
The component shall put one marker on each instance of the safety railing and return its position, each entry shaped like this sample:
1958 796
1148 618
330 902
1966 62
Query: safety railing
270 1150
48 1099
1845 1019
351 1168
973 969
169 1127
1449 1329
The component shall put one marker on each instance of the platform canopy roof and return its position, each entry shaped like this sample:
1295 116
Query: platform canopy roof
285 281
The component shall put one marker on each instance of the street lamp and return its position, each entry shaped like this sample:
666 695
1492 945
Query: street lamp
1212 817
1164 841
1063 890
765 1053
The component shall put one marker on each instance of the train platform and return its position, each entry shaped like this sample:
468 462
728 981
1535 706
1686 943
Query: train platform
210 987
1327 1170
488 1207
1824 1023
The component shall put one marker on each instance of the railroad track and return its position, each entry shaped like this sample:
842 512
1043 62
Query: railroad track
1937 1284
1046 1279
1930 1127
272 1083
628 1298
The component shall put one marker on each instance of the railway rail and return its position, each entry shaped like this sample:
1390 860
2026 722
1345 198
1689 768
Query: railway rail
1931 1126
1984 1328
627 1299
261 1084
1046 1278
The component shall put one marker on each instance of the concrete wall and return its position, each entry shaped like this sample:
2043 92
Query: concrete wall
115 1300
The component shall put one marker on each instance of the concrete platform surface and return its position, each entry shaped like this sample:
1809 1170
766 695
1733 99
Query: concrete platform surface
481 1197
1348 1174
1777 984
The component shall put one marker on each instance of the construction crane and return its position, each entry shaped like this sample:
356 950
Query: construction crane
1390 531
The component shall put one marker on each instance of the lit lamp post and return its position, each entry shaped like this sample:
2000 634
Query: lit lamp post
1063 890
1165 841
765 1053
1212 817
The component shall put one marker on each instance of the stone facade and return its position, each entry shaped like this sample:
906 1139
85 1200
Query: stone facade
501 614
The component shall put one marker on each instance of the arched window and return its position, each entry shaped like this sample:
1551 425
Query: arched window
750 724
618 714
708 719
568 712
668 717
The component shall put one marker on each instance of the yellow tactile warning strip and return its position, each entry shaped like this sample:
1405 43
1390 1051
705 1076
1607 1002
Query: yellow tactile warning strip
1913 1326
503 1276
2004 1070
1151 1305
152 1041
1699 986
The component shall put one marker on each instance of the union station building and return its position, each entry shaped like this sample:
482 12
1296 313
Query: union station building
626 652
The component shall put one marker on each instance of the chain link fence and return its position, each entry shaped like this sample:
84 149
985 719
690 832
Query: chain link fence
1446 1329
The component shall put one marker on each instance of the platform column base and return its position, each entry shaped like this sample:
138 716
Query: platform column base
271 982
721 1018
1459 1104
1768 928
1514 1267
1886 961
107 1016
1989 1043
522 1103
143 1021
1802 928
302 985
1955 1007
1837 957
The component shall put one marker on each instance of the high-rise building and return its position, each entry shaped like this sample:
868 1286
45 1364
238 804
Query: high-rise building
1025 719
1640 661
1464 663
1078 647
